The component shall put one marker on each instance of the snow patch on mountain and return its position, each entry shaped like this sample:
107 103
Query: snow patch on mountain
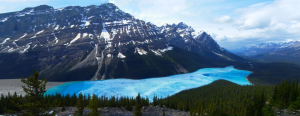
4 41
109 55
57 27
221 55
120 55
84 35
21 37
156 52
26 48
56 40
196 34
75 39
37 34
4 19
140 51
105 35
166 49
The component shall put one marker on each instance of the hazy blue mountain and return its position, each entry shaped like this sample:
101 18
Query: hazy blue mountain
272 52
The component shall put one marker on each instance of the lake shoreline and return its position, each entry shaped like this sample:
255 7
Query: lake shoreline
163 86
248 80
15 85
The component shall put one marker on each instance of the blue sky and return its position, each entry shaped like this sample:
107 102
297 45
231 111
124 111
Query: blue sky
232 23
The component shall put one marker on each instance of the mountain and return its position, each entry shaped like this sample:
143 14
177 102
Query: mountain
185 37
272 52
263 48
101 42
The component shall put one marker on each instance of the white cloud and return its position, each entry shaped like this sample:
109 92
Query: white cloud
188 13
276 21
224 19
268 14
288 40
157 12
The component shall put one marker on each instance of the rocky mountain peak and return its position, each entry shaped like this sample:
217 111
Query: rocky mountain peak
43 8
182 25
100 37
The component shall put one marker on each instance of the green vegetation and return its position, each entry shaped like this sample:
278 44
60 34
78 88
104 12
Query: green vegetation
270 73
286 95
80 105
80 102
218 98
138 106
284 55
93 105
34 104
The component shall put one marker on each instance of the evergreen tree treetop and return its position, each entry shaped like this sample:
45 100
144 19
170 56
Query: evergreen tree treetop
35 104
138 106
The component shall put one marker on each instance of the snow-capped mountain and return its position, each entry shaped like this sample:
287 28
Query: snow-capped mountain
185 37
272 52
99 42
264 48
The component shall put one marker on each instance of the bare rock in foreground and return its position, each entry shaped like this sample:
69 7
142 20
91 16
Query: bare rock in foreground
121 111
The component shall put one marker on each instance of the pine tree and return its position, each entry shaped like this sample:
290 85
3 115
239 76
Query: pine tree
138 106
80 105
34 99
1 108
93 105
128 106
15 102
63 106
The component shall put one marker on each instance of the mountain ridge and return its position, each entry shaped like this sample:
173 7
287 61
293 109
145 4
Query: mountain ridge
99 40
272 52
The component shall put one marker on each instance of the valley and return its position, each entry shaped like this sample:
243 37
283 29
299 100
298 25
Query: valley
99 59
159 86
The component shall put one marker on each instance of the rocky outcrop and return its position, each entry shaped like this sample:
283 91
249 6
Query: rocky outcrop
121 111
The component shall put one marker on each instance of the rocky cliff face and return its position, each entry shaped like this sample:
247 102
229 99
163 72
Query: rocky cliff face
98 42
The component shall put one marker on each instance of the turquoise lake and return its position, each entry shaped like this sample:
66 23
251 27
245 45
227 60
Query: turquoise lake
160 86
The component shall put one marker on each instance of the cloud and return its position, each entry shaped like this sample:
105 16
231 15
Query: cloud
224 19
288 40
242 23
188 13
158 12
276 21
268 14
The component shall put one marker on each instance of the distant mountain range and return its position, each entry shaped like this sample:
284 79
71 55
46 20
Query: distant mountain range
272 52
101 42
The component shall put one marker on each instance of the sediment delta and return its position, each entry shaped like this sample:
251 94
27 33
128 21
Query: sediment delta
15 85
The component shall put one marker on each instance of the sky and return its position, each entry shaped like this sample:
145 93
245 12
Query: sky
232 23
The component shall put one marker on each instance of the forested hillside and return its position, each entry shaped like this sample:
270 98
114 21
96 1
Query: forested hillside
219 97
